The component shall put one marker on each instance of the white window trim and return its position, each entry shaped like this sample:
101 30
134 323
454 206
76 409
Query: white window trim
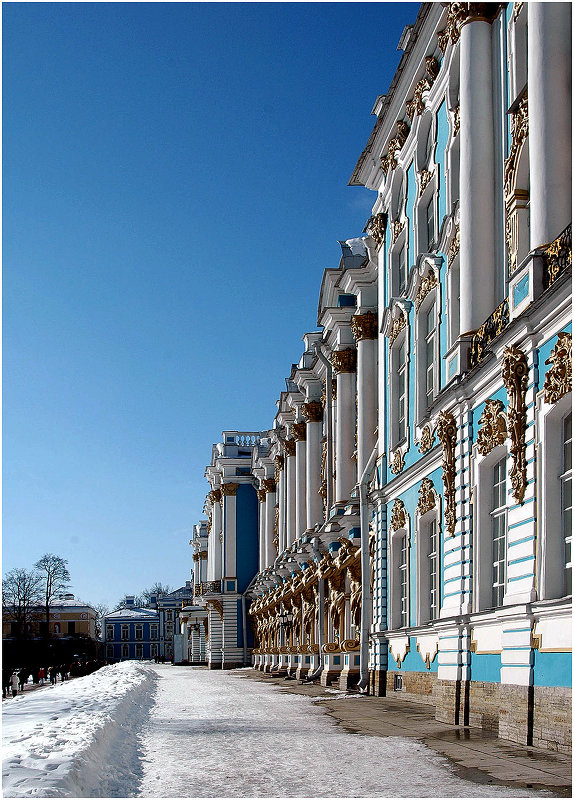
402 338
393 574
430 194
422 522
394 253
550 419
433 298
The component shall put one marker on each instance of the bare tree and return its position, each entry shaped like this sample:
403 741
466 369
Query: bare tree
22 594
101 612
55 579
138 601
157 590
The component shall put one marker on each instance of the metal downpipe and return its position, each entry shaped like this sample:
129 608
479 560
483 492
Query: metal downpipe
366 599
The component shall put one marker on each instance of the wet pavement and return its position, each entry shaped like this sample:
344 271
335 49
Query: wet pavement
475 755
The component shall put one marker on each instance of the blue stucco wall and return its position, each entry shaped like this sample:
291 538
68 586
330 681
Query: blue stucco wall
247 536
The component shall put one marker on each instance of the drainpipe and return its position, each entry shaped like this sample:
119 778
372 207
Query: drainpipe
366 599
321 631
329 419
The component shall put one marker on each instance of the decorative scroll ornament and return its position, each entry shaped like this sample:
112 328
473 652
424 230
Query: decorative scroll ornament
221 537
396 227
446 432
493 430
344 360
364 326
427 284
216 604
229 489
269 485
416 105
425 178
558 380
454 246
427 497
312 411
389 160
397 325
261 495
398 516
458 14
376 227
426 440
516 9
397 462
289 447
299 431
515 378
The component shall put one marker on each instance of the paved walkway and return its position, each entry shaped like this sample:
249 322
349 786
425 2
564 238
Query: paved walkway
476 755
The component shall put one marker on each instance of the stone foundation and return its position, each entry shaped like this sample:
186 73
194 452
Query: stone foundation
552 718
378 683
417 686
349 679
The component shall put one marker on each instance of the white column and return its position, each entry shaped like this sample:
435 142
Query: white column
313 413
299 433
262 497
229 490
270 549
477 201
215 537
290 490
280 480
364 327
344 364
549 119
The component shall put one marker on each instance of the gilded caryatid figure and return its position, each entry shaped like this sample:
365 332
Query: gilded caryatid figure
344 360
337 598
364 326
229 489
355 592
312 411
446 432
376 227
515 379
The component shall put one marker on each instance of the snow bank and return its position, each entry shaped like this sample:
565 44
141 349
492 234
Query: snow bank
58 741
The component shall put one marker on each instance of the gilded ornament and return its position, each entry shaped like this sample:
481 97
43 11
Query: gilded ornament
461 13
350 645
519 132
488 331
456 122
195 557
214 496
376 227
397 326
331 647
558 380
557 257
229 489
493 430
427 284
389 160
397 462
364 326
454 247
299 431
344 360
261 495
396 227
425 178
289 447
312 411
515 379
279 463
216 605
269 485
426 440
203 555
398 516
446 432
427 497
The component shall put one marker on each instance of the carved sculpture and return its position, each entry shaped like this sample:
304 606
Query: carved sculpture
344 360
269 485
289 447
515 378
458 15
299 431
396 327
425 178
426 440
376 227
427 497
389 160
427 284
446 432
312 411
397 227
398 516
397 462
416 106
493 430
229 489
364 326
454 247
558 380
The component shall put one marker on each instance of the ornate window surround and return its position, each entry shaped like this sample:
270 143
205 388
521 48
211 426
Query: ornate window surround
426 291
424 515
390 323
394 538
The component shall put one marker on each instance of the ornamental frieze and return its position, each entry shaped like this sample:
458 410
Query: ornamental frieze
389 160
376 227
427 497
398 516
344 360
397 462
427 284
493 430
427 440
515 379
446 432
396 228
289 447
269 485
396 327
364 326
558 380
312 411
416 106
299 431
229 489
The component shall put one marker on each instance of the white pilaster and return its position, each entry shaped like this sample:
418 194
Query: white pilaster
344 364
290 491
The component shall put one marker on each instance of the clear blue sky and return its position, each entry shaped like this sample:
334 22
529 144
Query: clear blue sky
175 182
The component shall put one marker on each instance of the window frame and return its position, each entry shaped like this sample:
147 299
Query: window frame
397 599
397 436
424 605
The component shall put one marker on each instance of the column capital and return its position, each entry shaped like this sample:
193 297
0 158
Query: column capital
312 411
376 227
344 360
229 489
289 447
299 431
279 463
261 495
364 326
214 496
460 14
269 485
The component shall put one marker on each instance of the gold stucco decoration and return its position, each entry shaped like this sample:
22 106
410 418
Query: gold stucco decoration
214 496
461 13
269 485
344 360
454 247
515 379
425 177
261 495
456 122
427 439
312 411
398 516
558 380
396 327
428 283
299 431
415 106
397 462
427 497
229 489
389 160
396 229
446 432
364 326
289 447
375 227
492 430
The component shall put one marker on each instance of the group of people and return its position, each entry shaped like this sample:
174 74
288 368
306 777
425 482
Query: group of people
14 681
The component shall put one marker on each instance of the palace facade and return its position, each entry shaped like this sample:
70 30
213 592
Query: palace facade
405 525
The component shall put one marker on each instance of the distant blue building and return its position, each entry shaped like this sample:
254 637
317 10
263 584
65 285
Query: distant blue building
131 633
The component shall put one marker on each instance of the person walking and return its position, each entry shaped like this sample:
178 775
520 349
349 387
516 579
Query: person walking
53 675
41 676
14 682
23 676
6 681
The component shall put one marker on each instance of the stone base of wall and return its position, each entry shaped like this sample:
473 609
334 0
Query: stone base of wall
232 664
349 678
328 676
302 672
417 686
552 718
378 683
451 700
214 664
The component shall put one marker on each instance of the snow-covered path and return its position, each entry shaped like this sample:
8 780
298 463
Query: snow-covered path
143 730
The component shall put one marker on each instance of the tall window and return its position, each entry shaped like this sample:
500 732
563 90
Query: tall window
402 392
139 631
402 269
125 651
153 631
404 580
433 569
125 631
109 651
430 339
498 528
139 650
109 631
429 223
566 481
